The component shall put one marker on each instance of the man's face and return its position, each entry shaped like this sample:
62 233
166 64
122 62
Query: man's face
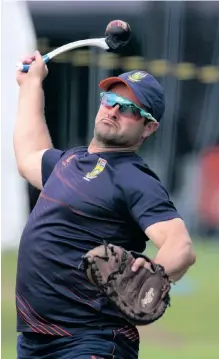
116 129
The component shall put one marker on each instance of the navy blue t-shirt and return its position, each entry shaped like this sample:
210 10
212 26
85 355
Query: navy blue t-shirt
86 198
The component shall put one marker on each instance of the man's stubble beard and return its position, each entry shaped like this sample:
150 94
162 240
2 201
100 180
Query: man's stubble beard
110 140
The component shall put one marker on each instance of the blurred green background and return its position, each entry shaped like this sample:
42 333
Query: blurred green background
189 330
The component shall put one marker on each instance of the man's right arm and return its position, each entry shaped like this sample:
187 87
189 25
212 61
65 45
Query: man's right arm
31 135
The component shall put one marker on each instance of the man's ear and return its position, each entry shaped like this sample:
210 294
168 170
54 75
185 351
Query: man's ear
150 128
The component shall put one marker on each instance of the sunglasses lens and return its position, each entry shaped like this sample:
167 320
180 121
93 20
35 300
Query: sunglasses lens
108 100
130 110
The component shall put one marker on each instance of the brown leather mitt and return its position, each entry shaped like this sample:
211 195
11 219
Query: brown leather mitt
141 296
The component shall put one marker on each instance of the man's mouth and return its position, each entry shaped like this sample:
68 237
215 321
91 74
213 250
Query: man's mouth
108 120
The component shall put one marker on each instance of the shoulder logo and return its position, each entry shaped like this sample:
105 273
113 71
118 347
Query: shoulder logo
65 162
137 76
101 163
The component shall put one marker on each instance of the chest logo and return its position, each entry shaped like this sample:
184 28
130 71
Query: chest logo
101 163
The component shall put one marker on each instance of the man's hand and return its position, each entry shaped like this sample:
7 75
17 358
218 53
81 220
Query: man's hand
38 70
142 297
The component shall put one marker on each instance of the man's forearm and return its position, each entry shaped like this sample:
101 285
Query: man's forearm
175 259
31 133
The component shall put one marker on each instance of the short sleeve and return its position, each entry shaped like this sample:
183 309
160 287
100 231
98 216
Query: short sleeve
49 160
148 201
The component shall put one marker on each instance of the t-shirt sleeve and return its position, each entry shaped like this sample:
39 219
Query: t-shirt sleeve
148 201
49 160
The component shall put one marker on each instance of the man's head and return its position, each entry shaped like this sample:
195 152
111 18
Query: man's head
119 123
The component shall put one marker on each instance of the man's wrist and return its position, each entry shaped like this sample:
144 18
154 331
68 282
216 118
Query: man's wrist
174 274
32 83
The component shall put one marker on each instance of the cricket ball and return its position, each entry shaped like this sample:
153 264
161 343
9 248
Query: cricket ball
119 29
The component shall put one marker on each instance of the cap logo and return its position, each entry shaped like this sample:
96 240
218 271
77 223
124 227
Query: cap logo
137 76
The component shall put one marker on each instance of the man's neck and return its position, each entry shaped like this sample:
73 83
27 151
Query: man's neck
95 147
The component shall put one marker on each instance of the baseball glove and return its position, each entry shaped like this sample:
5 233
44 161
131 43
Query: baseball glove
141 296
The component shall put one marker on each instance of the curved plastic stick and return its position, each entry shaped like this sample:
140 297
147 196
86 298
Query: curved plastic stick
71 46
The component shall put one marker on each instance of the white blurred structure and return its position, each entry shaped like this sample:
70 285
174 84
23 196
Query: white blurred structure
18 39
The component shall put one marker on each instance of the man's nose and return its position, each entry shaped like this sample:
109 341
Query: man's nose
114 111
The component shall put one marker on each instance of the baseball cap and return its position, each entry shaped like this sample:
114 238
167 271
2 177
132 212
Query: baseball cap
144 87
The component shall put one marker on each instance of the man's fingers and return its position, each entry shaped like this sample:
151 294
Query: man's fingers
28 59
139 262
147 265
38 68
38 57
39 63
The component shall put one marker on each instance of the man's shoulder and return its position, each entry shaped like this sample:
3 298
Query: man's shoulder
136 169
67 153
139 179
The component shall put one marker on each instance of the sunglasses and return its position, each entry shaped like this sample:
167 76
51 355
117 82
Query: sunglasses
126 107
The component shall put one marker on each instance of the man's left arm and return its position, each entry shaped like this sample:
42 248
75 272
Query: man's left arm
175 249
150 205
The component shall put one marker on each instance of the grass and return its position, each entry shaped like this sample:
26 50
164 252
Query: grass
193 318
189 329
9 262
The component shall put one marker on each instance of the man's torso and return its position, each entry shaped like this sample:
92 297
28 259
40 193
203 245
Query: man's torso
79 207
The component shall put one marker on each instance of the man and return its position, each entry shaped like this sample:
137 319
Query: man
88 194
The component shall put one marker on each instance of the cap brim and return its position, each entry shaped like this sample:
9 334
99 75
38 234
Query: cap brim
105 84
